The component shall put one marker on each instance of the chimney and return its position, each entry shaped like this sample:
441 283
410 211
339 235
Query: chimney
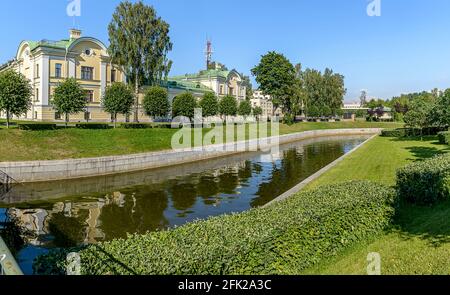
75 34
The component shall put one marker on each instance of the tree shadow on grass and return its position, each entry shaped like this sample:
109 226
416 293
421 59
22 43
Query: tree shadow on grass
424 152
431 224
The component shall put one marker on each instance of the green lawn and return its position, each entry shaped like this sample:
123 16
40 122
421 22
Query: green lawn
419 242
18 145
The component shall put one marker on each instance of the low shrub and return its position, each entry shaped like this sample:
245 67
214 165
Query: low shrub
136 125
36 126
284 238
92 126
444 137
406 132
401 132
425 182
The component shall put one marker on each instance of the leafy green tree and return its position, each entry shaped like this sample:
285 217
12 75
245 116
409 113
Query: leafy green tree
15 94
69 98
326 111
419 114
118 99
209 104
441 110
139 42
276 75
184 105
313 111
312 83
228 106
156 102
360 113
245 108
257 112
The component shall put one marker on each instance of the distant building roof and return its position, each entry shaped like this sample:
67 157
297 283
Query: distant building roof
205 74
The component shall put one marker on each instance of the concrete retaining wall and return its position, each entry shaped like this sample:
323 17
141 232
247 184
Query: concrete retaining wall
35 171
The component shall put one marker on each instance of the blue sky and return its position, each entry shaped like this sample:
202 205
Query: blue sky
405 49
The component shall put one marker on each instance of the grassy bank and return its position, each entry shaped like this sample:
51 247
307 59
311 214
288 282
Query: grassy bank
19 145
419 242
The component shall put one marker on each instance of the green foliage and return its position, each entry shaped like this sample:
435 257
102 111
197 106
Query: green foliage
184 105
360 113
444 137
228 106
276 76
118 99
441 110
15 94
245 108
425 182
313 111
69 98
156 102
284 238
408 132
209 105
419 113
92 126
139 42
136 125
257 111
36 126
326 111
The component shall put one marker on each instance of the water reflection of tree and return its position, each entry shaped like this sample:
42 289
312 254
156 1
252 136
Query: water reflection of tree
184 196
142 210
208 189
68 231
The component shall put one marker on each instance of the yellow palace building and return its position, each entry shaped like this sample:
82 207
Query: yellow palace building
46 63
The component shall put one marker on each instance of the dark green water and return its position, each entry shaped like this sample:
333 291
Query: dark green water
74 212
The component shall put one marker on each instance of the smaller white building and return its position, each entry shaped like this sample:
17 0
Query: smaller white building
265 103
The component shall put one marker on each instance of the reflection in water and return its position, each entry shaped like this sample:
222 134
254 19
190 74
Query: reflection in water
86 211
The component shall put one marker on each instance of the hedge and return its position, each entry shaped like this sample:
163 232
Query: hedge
36 126
92 126
444 137
405 132
284 238
136 125
425 182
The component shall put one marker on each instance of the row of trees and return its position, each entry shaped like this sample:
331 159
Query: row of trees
70 98
296 91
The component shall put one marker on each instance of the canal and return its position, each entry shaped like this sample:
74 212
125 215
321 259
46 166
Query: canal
38 217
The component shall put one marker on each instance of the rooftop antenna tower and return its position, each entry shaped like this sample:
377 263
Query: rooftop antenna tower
208 53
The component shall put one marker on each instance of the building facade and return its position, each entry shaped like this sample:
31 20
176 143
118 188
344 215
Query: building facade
47 63
221 82
263 101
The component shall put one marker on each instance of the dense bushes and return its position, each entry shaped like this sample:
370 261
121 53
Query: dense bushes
405 132
284 238
36 126
444 137
93 126
425 182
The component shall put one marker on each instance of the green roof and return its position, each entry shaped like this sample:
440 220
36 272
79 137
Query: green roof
185 85
203 75
62 44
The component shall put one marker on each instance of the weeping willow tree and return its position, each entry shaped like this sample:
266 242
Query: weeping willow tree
139 43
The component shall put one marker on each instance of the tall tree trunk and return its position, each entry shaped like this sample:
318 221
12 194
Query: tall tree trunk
136 103
115 121
66 119
7 119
